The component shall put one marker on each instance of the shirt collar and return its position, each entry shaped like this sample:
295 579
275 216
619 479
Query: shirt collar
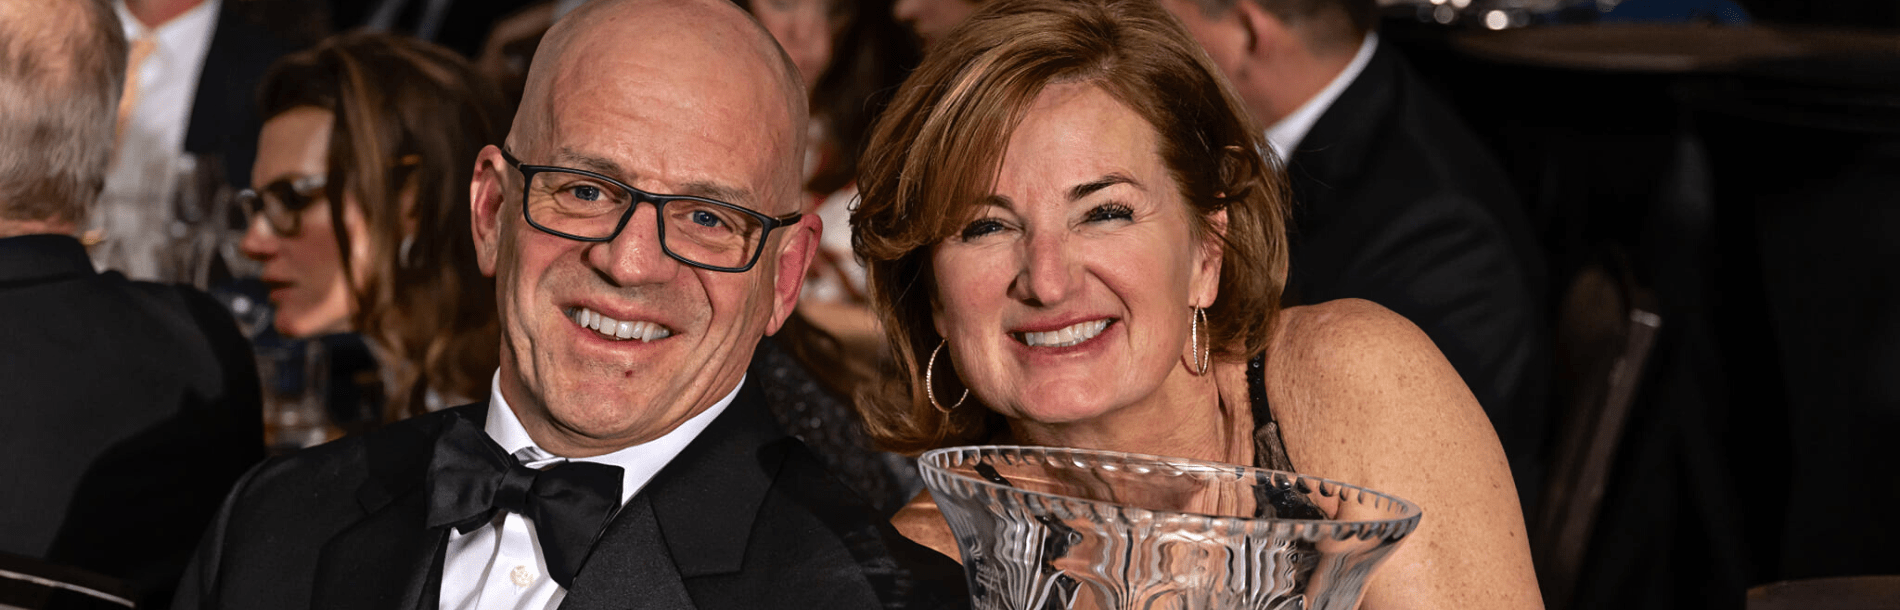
1285 135
43 255
196 19
637 464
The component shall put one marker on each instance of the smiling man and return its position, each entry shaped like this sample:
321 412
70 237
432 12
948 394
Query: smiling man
641 224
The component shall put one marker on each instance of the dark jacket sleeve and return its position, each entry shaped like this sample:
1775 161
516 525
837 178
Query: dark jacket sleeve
199 586
139 507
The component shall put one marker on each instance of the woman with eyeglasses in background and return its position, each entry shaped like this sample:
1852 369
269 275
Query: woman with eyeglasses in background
359 209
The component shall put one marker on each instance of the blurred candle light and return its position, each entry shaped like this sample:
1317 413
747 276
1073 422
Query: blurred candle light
1497 20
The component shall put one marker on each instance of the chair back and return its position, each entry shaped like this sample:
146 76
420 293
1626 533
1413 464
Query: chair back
34 584
1840 593
1605 332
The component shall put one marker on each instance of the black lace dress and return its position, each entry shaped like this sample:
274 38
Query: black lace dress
805 408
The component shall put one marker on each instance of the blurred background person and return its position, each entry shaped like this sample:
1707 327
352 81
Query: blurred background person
460 25
1074 242
931 19
129 408
186 116
359 210
851 56
1394 200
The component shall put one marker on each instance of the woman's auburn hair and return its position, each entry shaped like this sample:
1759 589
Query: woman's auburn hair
938 147
410 118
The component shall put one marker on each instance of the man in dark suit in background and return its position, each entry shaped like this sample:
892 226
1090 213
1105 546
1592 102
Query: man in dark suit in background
622 459
1394 200
127 409
191 93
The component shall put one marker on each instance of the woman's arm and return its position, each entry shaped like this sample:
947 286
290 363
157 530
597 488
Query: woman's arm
1364 397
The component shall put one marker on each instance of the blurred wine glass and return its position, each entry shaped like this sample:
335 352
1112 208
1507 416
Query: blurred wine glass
295 376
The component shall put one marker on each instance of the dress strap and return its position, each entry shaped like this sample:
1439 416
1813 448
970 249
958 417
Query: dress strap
1269 451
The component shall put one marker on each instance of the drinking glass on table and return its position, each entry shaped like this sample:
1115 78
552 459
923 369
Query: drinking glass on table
295 376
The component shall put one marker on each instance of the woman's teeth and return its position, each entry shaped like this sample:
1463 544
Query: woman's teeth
615 329
1064 337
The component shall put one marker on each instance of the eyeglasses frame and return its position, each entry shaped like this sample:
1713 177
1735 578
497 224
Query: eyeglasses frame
659 201
310 187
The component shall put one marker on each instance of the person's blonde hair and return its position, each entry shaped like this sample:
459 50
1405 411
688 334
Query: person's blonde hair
937 149
62 68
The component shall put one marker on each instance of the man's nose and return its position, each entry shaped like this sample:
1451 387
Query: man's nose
1049 270
634 257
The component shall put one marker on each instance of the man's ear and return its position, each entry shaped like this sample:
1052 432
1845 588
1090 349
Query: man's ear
1264 31
794 258
1204 286
485 203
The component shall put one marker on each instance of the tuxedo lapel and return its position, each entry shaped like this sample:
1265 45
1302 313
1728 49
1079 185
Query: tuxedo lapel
385 561
390 559
630 567
1337 149
693 519
707 499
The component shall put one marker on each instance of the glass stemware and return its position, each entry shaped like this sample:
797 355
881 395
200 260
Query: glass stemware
1044 528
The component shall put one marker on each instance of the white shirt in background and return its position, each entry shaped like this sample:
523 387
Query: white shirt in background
499 565
134 209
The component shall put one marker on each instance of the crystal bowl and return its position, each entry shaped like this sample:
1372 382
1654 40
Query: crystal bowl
1046 528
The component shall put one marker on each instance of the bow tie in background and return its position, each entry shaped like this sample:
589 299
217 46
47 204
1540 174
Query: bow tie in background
471 477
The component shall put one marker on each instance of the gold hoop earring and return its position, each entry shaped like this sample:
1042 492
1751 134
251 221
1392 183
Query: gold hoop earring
930 386
1203 354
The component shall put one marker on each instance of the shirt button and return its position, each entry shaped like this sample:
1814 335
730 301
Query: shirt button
522 576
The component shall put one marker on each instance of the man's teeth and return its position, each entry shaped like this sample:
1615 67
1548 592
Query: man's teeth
623 331
1067 336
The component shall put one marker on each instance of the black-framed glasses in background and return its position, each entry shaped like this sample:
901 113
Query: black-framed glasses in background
586 206
282 202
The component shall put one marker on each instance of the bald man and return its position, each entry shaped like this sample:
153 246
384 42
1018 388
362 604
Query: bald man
641 222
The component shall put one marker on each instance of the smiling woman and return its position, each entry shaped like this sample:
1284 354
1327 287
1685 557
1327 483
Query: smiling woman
1072 241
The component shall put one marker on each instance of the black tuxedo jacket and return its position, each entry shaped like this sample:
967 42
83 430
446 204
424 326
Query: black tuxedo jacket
745 517
127 409
224 119
1396 202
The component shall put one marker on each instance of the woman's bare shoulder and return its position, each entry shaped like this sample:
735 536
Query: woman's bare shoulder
921 522
1351 347
1365 397
1340 328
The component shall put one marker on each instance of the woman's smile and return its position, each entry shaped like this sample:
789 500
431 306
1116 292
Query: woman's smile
1066 336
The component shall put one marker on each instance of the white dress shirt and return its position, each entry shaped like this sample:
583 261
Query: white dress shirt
499 565
1285 136
134 210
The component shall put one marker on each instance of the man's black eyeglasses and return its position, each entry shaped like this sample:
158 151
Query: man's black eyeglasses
585 206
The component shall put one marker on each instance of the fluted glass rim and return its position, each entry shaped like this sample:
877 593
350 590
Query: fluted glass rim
930 465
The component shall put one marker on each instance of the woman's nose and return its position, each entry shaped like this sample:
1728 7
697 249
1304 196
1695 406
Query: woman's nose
1048 272
260 241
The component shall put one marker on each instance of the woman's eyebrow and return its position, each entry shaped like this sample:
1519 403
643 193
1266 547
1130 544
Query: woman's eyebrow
1089 188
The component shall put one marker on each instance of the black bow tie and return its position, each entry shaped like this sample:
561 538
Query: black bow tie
471 477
